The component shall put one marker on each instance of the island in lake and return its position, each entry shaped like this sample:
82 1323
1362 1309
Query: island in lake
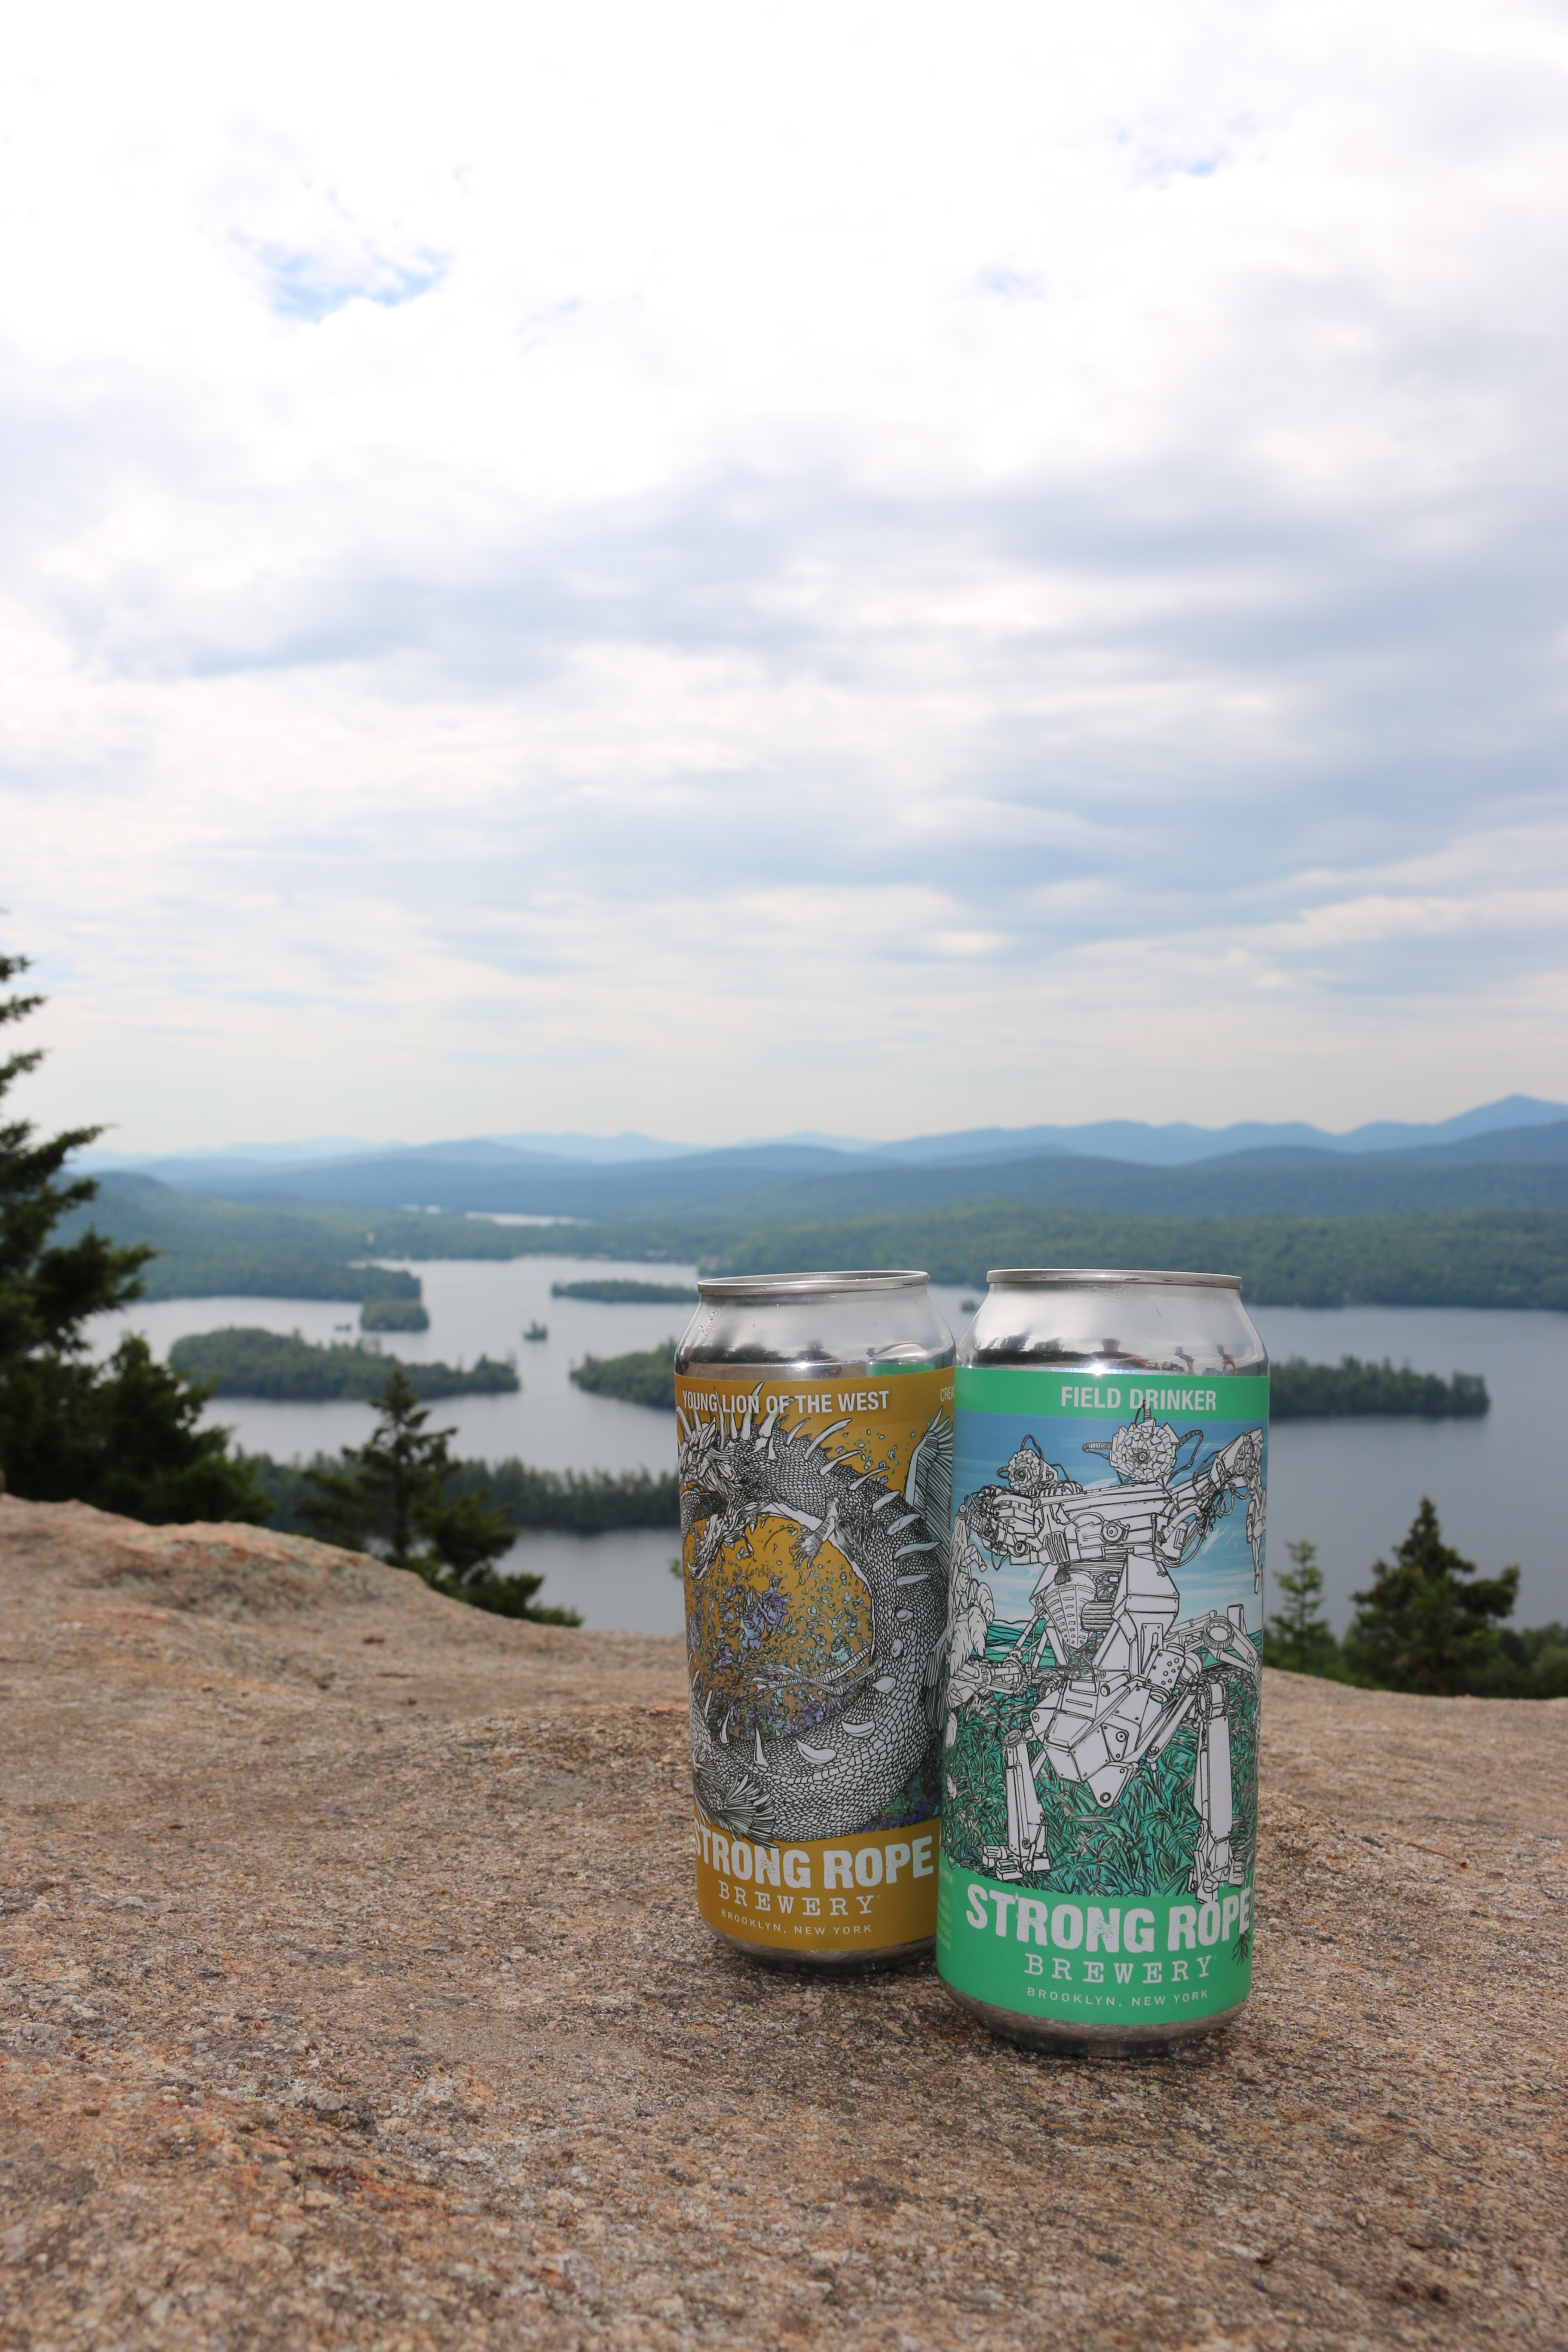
240 1361
615 1290
646 1376
1350 1389
394 1315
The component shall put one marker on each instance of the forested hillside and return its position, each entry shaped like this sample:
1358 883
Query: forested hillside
1503 1257
1480 1260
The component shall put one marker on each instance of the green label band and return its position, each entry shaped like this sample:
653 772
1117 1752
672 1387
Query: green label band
1067 1393
1077 1960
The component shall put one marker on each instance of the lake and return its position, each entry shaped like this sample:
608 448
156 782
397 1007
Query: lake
1350 1487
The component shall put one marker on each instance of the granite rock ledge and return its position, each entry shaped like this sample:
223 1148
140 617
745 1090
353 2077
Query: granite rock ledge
351 1993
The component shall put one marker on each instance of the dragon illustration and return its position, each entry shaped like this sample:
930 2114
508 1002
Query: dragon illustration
826 1742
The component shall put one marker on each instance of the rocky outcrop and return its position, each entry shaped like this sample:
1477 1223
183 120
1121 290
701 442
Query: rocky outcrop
353 1993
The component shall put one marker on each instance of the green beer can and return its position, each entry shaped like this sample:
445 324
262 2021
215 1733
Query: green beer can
1103 1658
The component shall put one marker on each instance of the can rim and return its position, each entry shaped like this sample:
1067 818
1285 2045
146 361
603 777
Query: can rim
817 1285
1068 1277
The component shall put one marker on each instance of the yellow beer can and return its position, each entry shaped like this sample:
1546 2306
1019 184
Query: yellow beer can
814 1419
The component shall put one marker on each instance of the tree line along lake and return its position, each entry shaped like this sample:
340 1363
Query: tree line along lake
1352 1486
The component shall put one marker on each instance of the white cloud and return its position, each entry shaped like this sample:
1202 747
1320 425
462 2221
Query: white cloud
711 571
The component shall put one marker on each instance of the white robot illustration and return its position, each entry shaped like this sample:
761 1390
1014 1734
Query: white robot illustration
1113 1671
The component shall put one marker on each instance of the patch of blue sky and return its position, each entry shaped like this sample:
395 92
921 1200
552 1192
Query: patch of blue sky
1160 171
305 286
1013 285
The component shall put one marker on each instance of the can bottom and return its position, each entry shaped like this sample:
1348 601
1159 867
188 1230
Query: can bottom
830 1964
1088 2040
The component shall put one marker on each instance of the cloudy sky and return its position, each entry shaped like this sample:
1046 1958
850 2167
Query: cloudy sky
725 570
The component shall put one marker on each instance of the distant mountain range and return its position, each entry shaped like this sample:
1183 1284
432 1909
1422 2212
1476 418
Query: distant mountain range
1178 1145
1512 1154
1174 1145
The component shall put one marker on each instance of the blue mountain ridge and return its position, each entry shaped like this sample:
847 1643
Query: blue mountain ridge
1510 1169
1499 1129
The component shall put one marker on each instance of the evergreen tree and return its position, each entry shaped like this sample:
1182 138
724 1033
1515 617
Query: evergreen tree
377 1497
393 1489
466 1536
122 1436
1427 1622
46 1293
1298 1637
1531 1664
334 1506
